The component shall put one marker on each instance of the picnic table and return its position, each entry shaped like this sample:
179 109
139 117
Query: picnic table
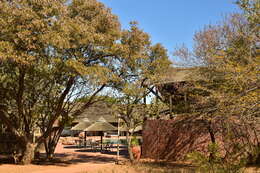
79 142
93 144
109 143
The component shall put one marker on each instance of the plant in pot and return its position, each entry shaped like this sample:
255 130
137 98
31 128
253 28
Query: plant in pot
136 148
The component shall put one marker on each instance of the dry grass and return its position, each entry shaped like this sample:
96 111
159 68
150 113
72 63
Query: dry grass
148 167
158 167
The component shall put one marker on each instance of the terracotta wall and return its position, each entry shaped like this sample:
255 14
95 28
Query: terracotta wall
174 139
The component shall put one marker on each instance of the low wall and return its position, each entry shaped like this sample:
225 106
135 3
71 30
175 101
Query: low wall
174 139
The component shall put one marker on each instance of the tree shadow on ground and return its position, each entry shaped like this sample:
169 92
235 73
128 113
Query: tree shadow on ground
79 158
79 155
6 159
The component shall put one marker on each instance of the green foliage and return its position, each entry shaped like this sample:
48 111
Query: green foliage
214 164
48 47
107 99
55 53
227 58
134 141
141 65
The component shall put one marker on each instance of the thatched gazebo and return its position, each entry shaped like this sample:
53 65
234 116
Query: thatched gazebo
92 114
101 125
81 126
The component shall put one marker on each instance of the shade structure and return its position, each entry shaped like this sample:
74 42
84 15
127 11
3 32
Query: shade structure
81 126
123 129
100 126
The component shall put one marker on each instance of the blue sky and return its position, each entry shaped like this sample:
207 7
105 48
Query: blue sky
171 22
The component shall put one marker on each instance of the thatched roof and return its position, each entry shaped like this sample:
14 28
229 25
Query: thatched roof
82 125
101 126
123 129
176 74
95 111
175 85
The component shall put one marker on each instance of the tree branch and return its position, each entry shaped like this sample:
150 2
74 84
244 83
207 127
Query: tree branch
58 109
7 122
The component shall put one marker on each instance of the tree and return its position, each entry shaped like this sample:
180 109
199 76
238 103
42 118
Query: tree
50 50
227 56
140 65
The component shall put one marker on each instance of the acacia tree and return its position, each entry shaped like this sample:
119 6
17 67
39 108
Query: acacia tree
49 50
228 57
139 65
72 107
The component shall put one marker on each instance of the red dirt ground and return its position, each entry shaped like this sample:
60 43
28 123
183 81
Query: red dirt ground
71 160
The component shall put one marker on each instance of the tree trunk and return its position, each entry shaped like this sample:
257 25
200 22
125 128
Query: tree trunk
28 153
212 138
50 153
131 156
51 142
49 149
257 162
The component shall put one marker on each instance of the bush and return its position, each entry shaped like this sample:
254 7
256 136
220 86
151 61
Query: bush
215 163
134 141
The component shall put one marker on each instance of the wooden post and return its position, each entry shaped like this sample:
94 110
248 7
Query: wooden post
144 107
156 102
156 92
144 99
85 138
185 100
118 134
33 135
171 109
101 148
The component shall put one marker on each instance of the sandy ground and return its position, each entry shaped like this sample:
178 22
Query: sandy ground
72 160
75 168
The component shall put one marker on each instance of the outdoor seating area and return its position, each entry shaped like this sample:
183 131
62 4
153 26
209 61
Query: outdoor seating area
93 143
101 126
89 143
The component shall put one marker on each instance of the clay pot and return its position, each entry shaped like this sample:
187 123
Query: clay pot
136 150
